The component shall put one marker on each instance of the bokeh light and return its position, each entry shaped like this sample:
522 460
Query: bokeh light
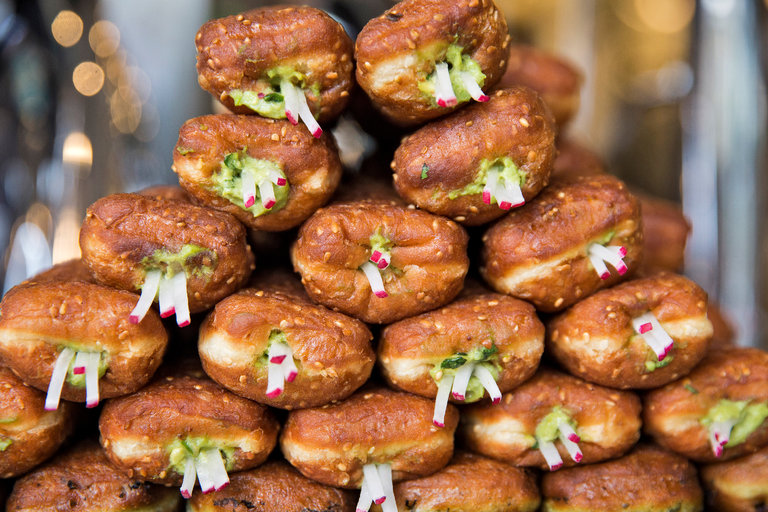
665 16
104 38
77 149
67 28
88 78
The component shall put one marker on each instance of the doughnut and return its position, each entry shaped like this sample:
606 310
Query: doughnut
717 412
83 480
272 345
28 433
73 340
189 256
478 163
368 441
665 232
739 485
273 487
553 420
71 270
574 159
169 192
554 78
647 479
422 59
723 330
380 262
184 425
554 251
470 483
278 62
640 334
269 174
483 343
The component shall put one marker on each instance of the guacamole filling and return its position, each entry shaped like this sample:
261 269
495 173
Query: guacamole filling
5 442
452 367
76 372
191 446
380 250
266 98
9 419
730 422
652 363
280 363
498 180
599 254
557 424
81 368
242 180
461 81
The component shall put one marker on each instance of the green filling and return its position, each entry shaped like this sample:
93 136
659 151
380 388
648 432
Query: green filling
547 430
504 166
480 355
266 99
380 243
457 63
190 259
5 442
78 380
228 182
275 336
9 419
691 389
424 171
748 418
654 364
180 449
184 150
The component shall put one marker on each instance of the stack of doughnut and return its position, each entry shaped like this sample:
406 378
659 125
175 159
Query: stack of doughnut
500 327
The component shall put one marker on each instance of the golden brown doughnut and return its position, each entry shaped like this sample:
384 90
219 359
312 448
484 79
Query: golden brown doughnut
539 416
723 330
474 165
598 340
739 485
574 159
222 158
665 233
398 55
718 411
542 252
169 192
71 270
426 259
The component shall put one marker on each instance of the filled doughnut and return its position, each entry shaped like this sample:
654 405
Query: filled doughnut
422 59
368 441
553 420
28 433
647 479
487 343
380 262
474 165
274 346
739 485
84 480
640 334
278 62
575 159
554 251
185 427
71 270
74 341
665 233
169 192
269 174
188 256
275 487
718 411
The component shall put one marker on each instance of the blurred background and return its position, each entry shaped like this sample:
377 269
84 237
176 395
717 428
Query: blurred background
92 94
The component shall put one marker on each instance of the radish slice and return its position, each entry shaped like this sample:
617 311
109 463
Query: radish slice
372 479
472 87
514 193
217 468
306 116
267 193
444 94
612 255
166 298
78 367
276 178
599 266
566 430
248 187
485 377
204 473
60 368
148 293
720 434
385 475
461 381
275 380
181 302
491 187
277 352
573 448
441 401
551 455
289 368
92 379
291 99
189 478
374 278
654 335
365 500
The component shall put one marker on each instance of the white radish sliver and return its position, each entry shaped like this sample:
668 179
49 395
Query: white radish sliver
514 193
277 352
148 293
573 448
649 336
290 97
472 87
166 298
568 432
78 367
443 88
275 379
306 116
60 368
218 469
92 379
204 473
551 455
267 193
276 178
599 266
611 256
385 475
441 401
248 187
188 484
289 368
461 380
180 299
365 500
485 377
374 278
490 190
371 476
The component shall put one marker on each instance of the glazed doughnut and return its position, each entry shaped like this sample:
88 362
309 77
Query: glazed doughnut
380 262
623 337
574 159
190 256
554 251
279 62
718 411
168 192
28 433
555 79
422 59
278 170
185 424
369 440
74 340
83 480
474 165
470 483
483 343
647 479
665 232
275 487
553 420
739 485
258 338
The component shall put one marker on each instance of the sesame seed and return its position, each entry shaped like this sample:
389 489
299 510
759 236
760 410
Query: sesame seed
524 122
